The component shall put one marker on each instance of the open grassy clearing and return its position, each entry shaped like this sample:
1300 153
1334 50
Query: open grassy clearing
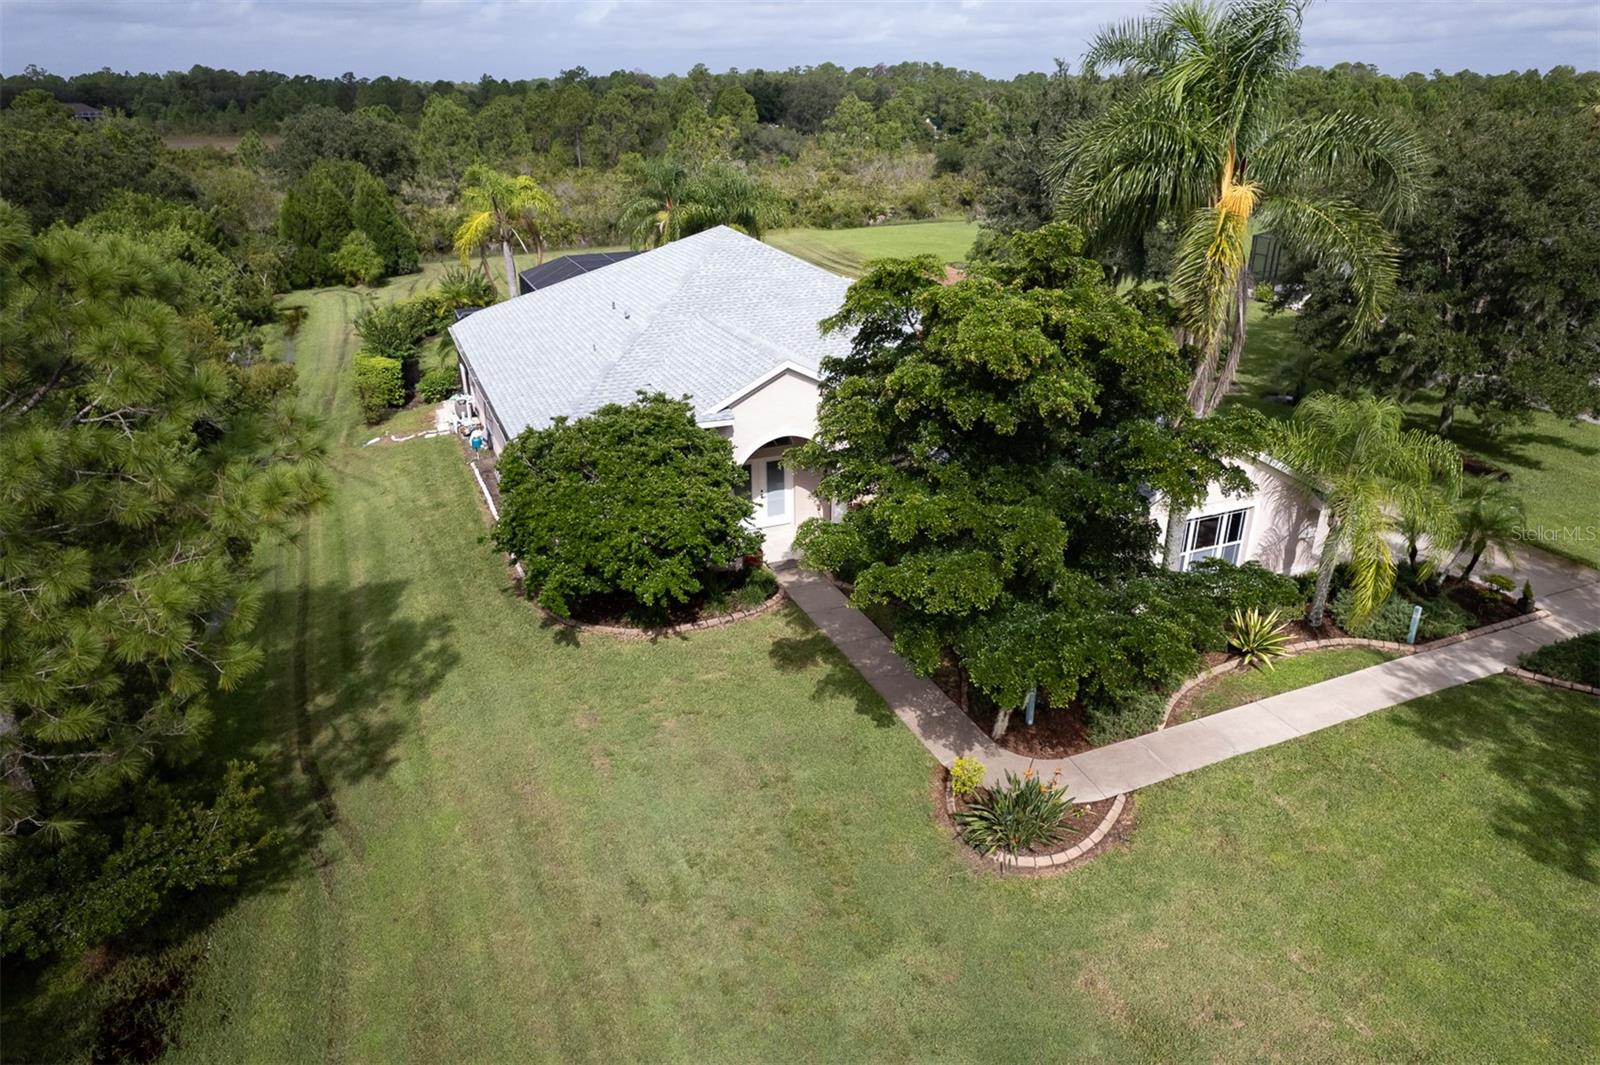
847 251
1296 671
1554 464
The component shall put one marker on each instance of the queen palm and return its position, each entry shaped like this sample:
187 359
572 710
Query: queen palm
1205 145
1490 516
671 203
1378 479
502 208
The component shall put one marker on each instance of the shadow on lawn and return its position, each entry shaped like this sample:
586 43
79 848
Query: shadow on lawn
1549 748
344 673
810 649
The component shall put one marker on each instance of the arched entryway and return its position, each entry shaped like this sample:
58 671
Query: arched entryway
783 497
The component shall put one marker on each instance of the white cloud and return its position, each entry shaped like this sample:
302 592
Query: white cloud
508 38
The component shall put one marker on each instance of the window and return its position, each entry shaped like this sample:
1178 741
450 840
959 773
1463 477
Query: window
777 498
1214 536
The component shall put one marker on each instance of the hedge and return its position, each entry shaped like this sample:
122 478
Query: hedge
380 384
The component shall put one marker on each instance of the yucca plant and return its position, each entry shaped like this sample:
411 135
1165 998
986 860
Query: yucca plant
1015 817
1259 638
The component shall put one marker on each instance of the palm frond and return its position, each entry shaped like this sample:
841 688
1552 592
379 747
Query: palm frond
1320 153
1341 235
1205 268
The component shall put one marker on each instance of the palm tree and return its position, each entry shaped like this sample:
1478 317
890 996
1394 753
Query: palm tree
502 208
673 203
651 217
1204 145
1377 478
1490 515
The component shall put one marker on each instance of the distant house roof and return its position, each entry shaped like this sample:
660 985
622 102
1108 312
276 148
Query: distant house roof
85 113
702 316
567 266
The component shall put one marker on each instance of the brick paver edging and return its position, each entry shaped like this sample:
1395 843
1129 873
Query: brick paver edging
630 632
1554 682
1304 646
1078 850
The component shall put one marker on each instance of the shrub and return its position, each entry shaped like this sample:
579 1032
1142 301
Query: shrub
1500 582
1392 620
1134 714
966 776
1250 586
758 585
394 330
1017 816
635 501
380 385
438 384
1259 638
1577 660
357 260
1264 292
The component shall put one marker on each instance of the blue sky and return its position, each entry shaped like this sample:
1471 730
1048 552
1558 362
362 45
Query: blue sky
461 39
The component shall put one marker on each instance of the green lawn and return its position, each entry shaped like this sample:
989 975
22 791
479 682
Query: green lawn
507 842
847 251
1296 671
1554 464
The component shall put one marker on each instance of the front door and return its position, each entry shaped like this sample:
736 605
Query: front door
772 492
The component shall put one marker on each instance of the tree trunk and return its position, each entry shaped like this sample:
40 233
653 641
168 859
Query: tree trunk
1230 366
1447 411
1177 527
1319 599
511 268
1002 718
1471 565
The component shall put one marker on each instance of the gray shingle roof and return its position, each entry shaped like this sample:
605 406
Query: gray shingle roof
700 316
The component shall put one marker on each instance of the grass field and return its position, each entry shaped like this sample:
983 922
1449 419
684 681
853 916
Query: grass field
509 843
847 251
1296 671
1554 464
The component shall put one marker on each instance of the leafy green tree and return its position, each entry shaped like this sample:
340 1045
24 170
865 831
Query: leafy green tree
357 259
634 500
320 210
1379 480
995 435
850 132
252 152
371 137
501 209
139 467
1498 305
447 140
1489 515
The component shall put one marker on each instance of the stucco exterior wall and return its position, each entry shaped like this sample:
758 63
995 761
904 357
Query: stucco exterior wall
783 406
1284 527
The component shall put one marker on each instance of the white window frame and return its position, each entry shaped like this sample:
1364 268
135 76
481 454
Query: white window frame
1192 554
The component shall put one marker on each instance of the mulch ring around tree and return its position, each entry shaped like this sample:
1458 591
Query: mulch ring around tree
1081 821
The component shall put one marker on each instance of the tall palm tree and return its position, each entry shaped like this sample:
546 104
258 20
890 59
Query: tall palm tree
1205 145
502 208
1490 515
671 203
1377 478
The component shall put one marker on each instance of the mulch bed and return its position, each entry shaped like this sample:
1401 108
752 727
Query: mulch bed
1489 606
1056 732
614 610
1081 820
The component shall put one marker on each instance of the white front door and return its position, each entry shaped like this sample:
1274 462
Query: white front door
772 491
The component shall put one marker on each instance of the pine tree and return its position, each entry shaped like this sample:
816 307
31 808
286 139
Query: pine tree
138 468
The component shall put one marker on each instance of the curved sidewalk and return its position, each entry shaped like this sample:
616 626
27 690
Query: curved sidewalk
947 732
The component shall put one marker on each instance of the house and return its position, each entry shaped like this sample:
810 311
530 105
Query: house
85 113
1281 524
732 323
566 267
718 316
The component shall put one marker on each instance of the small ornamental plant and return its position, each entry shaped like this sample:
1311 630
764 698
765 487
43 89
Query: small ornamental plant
966 776
1259 638
1018 816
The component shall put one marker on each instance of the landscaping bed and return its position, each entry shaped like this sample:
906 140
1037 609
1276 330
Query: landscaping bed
1082 827
724 596
1576 660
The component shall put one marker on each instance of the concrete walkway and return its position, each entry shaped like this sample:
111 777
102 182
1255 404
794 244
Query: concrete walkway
1571 594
